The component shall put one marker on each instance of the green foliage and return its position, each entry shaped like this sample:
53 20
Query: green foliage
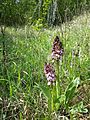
24 93
78 108
50 12
45 90
15 12
71 90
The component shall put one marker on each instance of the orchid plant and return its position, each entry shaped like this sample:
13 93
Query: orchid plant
53 90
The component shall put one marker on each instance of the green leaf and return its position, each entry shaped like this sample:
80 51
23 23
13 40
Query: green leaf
45 90
11 91
60 99
71 90
78 108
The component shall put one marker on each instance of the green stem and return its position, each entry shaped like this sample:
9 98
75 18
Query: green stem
51 105
58 88
57 81
52 100
71 116
49 108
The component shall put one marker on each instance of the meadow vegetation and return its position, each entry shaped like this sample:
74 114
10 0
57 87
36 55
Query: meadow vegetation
24 93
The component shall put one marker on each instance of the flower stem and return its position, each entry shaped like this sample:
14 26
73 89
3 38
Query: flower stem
53 96
49 108
57 81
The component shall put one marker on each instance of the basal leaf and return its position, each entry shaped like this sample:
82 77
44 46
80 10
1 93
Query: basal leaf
45 90
71 89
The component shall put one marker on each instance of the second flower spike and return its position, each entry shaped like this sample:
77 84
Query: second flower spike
57 50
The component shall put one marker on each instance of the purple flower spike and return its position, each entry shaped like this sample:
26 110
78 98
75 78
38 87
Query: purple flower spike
57 50
49 73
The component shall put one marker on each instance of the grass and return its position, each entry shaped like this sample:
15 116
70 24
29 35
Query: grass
26 52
